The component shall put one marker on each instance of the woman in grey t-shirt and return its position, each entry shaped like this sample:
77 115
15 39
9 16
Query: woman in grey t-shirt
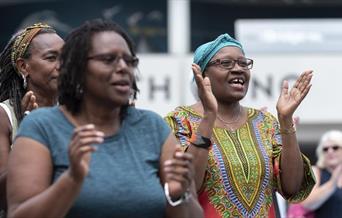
94 155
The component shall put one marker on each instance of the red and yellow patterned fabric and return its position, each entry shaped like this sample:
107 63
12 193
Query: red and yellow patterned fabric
243 164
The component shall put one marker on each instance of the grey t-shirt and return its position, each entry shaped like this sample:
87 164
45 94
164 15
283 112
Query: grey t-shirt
123 180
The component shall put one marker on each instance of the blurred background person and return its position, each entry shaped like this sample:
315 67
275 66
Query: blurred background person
28 79
325 200
94 155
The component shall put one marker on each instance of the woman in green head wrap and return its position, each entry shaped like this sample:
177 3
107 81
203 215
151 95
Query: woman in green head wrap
241 154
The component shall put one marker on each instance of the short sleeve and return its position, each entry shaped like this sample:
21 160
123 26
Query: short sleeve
161 127
309 178
151 124
180 126
32 126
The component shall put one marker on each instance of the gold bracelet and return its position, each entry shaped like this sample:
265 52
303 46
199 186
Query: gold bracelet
288 131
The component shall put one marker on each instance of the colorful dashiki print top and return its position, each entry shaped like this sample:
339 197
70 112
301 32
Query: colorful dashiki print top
243 164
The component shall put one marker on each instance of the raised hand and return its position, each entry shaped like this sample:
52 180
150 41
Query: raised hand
205 93
179 173
289 100
28 103
80 149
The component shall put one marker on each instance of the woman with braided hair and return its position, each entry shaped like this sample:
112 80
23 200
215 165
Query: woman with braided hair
28 79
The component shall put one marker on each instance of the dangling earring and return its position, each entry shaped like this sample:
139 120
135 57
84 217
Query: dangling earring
24 81
131 98
79 91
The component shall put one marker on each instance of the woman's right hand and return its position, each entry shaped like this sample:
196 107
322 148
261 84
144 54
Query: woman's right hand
28 102
179 173
205 93
80 149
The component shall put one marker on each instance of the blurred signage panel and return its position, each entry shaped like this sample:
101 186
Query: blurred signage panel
321 105
290 35
164 83
146 22
273 2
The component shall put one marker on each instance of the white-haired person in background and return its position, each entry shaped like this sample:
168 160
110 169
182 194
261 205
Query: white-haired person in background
326 196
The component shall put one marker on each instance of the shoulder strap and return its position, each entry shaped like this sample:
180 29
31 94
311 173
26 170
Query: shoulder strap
8 112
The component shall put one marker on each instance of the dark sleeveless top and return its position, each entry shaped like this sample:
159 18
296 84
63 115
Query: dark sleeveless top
332 208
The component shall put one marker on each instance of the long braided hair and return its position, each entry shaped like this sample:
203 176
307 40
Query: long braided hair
11 82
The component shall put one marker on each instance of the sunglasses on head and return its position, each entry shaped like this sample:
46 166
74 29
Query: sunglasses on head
333 147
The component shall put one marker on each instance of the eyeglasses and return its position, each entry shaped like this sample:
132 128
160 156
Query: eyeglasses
229 64
113 59
333 147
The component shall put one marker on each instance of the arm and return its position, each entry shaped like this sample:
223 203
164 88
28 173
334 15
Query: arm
206 126
5 143
29 192
291 159
321 193
28 103
176 169
29 189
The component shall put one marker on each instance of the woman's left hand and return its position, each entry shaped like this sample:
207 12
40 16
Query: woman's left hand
289 100
28 102
179 173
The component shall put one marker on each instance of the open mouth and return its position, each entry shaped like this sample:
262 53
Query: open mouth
237 81
122 85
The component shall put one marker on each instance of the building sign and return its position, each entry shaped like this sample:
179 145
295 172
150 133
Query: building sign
165 84
290 35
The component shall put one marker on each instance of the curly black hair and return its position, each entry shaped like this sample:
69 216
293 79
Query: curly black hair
11 83
74 58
